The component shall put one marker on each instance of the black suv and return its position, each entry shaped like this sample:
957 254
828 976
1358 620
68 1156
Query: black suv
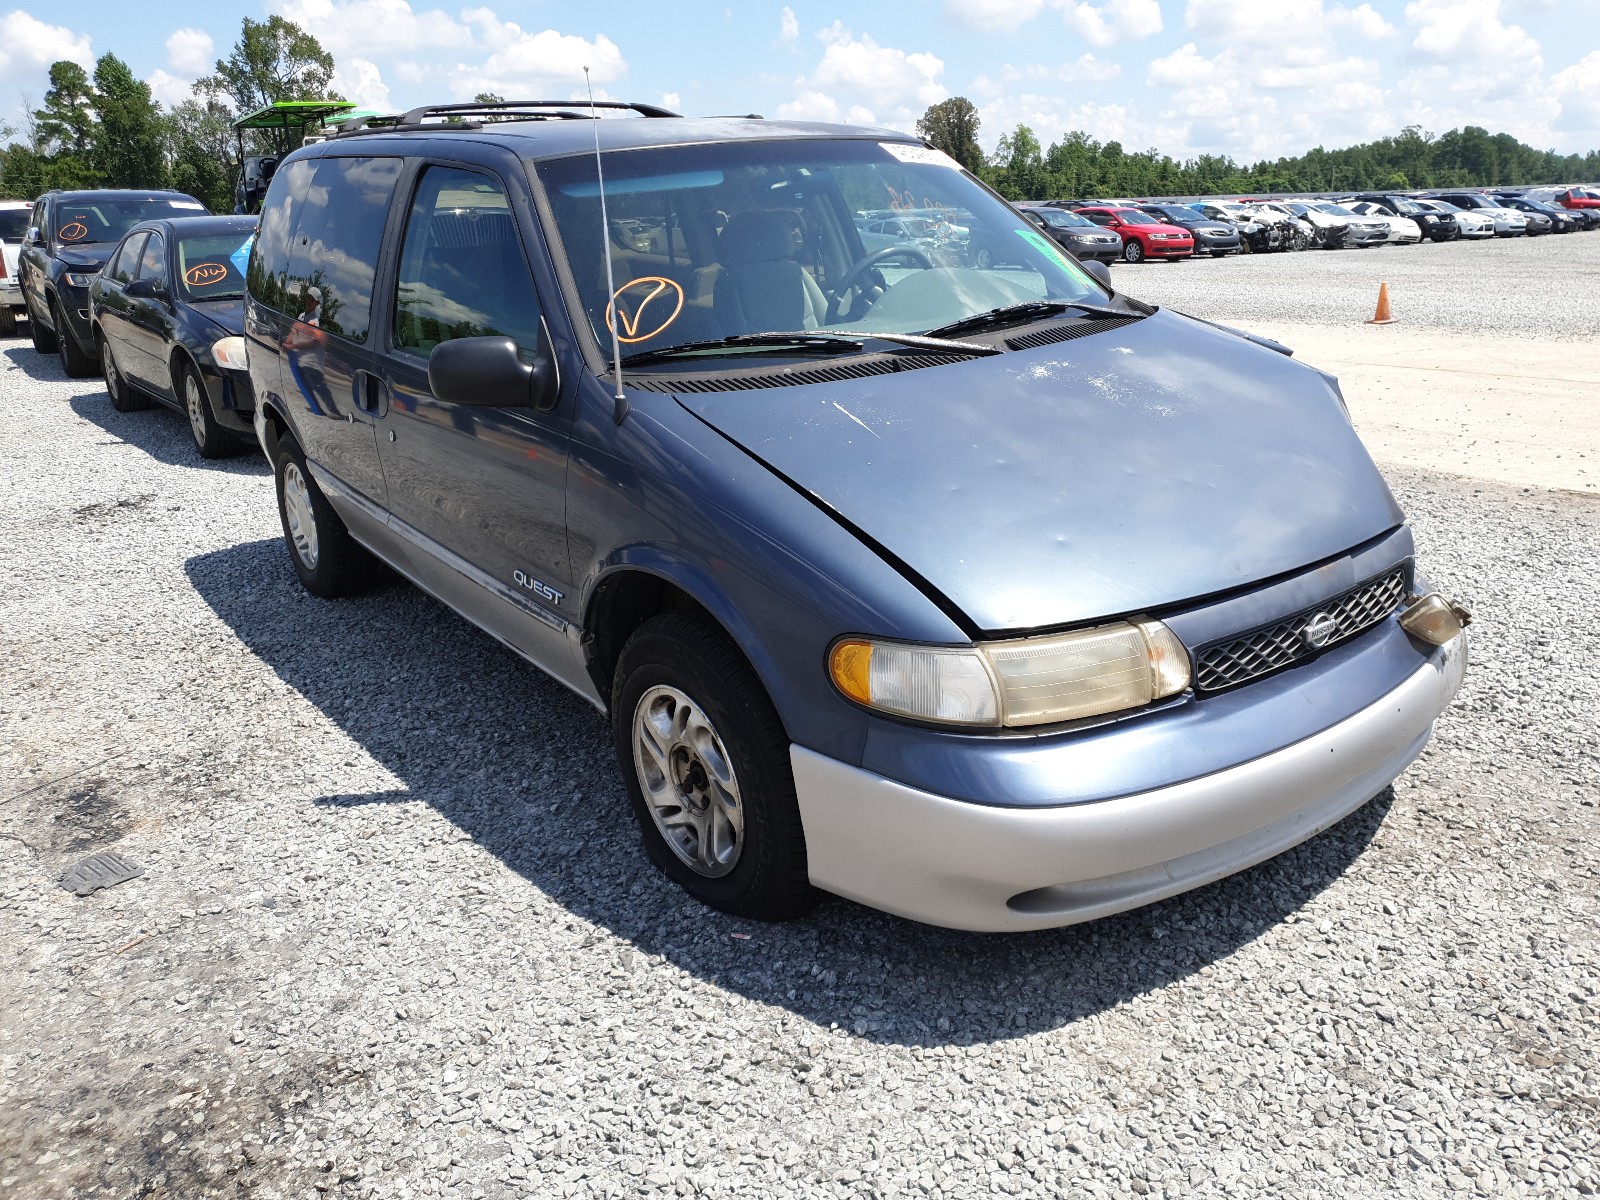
1436 227
70 237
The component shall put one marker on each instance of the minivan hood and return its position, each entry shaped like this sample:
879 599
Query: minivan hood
1116 473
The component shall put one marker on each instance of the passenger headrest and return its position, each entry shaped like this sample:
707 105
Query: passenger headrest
760 235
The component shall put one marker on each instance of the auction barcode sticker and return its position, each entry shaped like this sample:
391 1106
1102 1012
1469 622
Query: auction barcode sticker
920 154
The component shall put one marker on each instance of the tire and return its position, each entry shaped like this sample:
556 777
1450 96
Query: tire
329 562
210 438
1300 240
74 361
44 340
124 397
983 258
1245 247
8 321
1132 251
736 845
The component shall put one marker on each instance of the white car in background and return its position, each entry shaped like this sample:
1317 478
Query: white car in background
1403 231
1470 222
1508 222
14 216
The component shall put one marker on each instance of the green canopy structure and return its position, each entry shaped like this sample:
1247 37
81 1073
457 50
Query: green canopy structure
291 114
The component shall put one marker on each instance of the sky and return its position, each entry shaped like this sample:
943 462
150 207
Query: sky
1250 79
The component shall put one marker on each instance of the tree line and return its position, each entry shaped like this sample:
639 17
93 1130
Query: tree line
102 128
1080 166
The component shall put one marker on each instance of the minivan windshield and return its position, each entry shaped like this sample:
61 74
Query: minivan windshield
709 242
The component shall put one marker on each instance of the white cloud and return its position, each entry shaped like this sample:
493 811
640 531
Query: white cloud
168 89
371 28
1184 67
1467 30
987 15
27 44
1364 20
1577 88
882 79
359 79
1114 21
1086 68
672 100
189 51
526 62
788 26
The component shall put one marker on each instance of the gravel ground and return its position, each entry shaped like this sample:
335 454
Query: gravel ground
396 936
1539 287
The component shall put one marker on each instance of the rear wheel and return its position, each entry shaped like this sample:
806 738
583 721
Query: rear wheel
1133 251
8 321
706 763
329 562
983 258
123 396
74 361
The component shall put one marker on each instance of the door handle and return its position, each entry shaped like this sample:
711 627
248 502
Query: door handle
372 394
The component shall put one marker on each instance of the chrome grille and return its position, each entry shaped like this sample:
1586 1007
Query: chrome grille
1239 659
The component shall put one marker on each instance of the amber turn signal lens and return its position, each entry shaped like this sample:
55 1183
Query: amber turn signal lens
1434 620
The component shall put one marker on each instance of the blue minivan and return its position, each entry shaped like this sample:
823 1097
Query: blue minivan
985 595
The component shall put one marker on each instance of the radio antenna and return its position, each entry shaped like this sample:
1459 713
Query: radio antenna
613 307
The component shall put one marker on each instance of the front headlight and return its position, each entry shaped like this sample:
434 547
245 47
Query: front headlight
229 353
78 280
1027 681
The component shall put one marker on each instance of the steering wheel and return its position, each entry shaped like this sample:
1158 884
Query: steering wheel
865 263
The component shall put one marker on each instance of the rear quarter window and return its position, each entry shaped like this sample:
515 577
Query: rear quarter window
317 250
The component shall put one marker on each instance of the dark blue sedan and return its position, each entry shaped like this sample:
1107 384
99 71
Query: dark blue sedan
167 315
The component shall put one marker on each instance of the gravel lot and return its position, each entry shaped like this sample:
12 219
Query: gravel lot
1541 287
396 937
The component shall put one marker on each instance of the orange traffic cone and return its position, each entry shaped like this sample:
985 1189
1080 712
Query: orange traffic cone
1382 317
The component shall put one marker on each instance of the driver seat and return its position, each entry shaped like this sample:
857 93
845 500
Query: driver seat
761 288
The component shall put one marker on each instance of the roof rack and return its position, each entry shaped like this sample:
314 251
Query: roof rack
458 116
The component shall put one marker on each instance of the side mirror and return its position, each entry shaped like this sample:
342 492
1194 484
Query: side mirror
32 237
491 372
1101 273
145 289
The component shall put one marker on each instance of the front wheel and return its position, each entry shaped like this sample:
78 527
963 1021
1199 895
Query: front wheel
44 339
74 361
706 763
983 258
329 562
210 438
1133 251
8 321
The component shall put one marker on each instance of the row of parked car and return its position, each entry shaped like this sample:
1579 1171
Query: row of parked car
1139 230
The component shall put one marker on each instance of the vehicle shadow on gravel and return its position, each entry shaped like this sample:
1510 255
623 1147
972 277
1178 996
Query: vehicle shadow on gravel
527 770
163 434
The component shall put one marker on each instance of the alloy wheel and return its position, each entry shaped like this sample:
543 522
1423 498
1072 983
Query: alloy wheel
688 781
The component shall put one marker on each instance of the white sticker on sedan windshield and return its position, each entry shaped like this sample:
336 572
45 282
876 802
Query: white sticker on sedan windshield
920 154
187 204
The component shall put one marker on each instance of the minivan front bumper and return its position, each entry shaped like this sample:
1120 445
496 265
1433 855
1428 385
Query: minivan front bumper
973 866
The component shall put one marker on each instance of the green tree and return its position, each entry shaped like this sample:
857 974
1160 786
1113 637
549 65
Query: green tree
952 126
488 98
201 150
128 144
272 60
1018 163
65 125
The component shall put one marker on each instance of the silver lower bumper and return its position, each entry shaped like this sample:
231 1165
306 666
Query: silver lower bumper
970 866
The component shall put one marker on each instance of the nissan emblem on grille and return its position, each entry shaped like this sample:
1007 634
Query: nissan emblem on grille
1248 656
1319 630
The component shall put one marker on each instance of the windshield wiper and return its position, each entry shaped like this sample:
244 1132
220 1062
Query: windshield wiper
1016 314
799 343
803 342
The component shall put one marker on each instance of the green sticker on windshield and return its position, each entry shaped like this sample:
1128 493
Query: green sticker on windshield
1044 244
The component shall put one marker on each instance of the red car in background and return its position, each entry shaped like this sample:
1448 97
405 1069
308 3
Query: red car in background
1142 235
1579 198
